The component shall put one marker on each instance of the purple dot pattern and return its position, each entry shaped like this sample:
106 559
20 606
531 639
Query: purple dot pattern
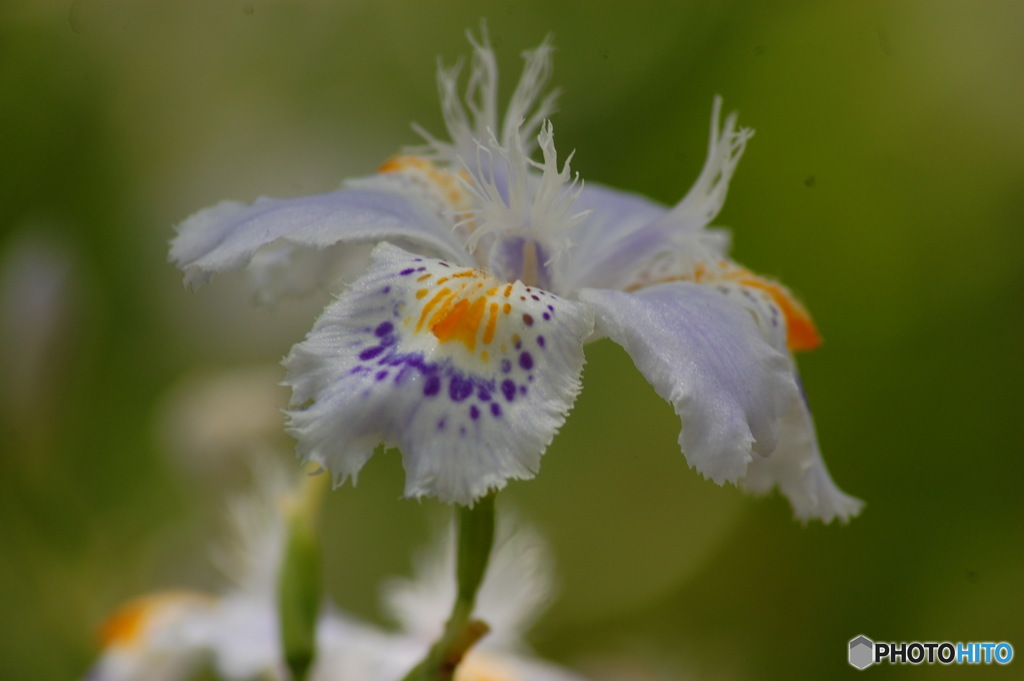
378 378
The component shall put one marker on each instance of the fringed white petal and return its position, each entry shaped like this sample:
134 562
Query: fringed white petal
797 468
468 376
705 355
705 199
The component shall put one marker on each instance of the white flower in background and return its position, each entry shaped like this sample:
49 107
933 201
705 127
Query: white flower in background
146 639
211 423
462 343
170 636
514 593
517 587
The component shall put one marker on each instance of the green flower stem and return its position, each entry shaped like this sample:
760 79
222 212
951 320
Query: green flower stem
299 588
476 536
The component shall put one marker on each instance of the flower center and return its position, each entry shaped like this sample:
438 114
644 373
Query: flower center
473 309
520 220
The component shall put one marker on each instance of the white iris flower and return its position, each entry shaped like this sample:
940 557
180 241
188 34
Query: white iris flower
462 342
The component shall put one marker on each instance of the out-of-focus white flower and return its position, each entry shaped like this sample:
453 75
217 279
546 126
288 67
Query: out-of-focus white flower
462 343
210 423
147 640
515 591
169 636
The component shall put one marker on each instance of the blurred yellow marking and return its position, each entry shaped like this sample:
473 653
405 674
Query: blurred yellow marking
127 626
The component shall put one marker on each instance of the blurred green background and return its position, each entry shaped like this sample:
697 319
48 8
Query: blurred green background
884 184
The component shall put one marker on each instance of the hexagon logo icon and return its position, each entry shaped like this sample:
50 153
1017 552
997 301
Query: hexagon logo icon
862 652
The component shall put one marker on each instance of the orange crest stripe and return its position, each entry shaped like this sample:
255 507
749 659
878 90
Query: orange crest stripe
801 333
461 323
470 307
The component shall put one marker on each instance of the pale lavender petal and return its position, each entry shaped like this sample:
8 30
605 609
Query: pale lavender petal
227 236
703 353
771 321
798 469
284 270
470 377
609 238
624 235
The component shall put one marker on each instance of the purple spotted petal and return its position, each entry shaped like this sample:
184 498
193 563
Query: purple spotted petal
705 355
469 376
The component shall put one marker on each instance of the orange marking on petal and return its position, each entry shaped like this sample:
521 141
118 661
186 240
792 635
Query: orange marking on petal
443 293
447 319
508 290
441 312
126 625
426 276
801 333
442 280
461 322
465 273
422 292
492 323
506 308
